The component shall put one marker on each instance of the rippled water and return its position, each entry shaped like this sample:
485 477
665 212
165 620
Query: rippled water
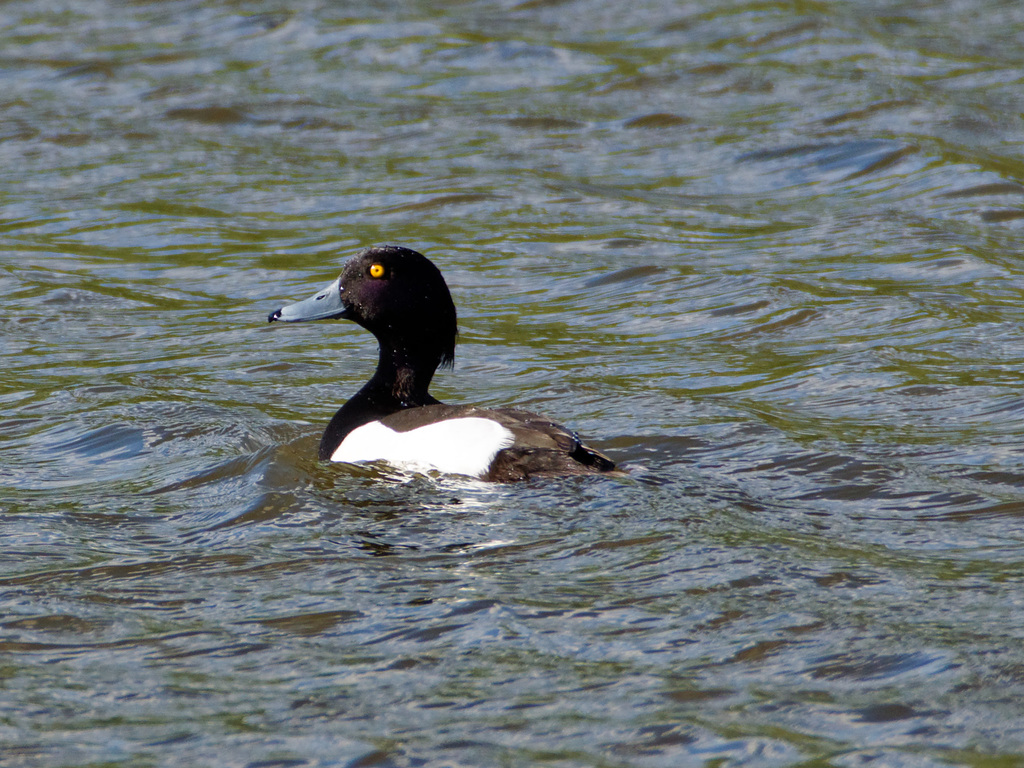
767 255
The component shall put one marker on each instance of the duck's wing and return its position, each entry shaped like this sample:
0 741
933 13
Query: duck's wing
543 447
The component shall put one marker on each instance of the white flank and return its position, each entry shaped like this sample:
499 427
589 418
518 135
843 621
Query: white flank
455 446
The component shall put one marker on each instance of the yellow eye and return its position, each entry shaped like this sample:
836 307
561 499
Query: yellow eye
376 270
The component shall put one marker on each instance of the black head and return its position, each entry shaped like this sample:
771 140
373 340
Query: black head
395 293
400 297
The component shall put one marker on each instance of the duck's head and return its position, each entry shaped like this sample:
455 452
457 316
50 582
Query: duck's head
395 293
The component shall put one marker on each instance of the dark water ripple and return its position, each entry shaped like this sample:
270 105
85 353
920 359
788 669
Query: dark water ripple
765 255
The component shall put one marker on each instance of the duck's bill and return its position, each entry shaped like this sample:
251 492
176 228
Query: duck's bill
325 304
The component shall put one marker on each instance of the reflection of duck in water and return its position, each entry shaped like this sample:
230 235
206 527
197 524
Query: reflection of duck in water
400 297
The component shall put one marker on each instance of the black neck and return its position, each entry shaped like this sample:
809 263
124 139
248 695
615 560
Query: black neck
401 381
404 376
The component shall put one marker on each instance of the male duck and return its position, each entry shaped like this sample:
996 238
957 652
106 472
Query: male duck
399 296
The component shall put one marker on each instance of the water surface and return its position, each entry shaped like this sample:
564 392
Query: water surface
765 255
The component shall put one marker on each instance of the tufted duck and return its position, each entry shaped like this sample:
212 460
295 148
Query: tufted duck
400 297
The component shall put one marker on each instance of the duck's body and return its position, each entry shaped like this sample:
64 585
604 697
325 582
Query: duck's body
399 296
498 444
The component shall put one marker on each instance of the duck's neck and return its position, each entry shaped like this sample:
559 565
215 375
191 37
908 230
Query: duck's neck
403 377
401 381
